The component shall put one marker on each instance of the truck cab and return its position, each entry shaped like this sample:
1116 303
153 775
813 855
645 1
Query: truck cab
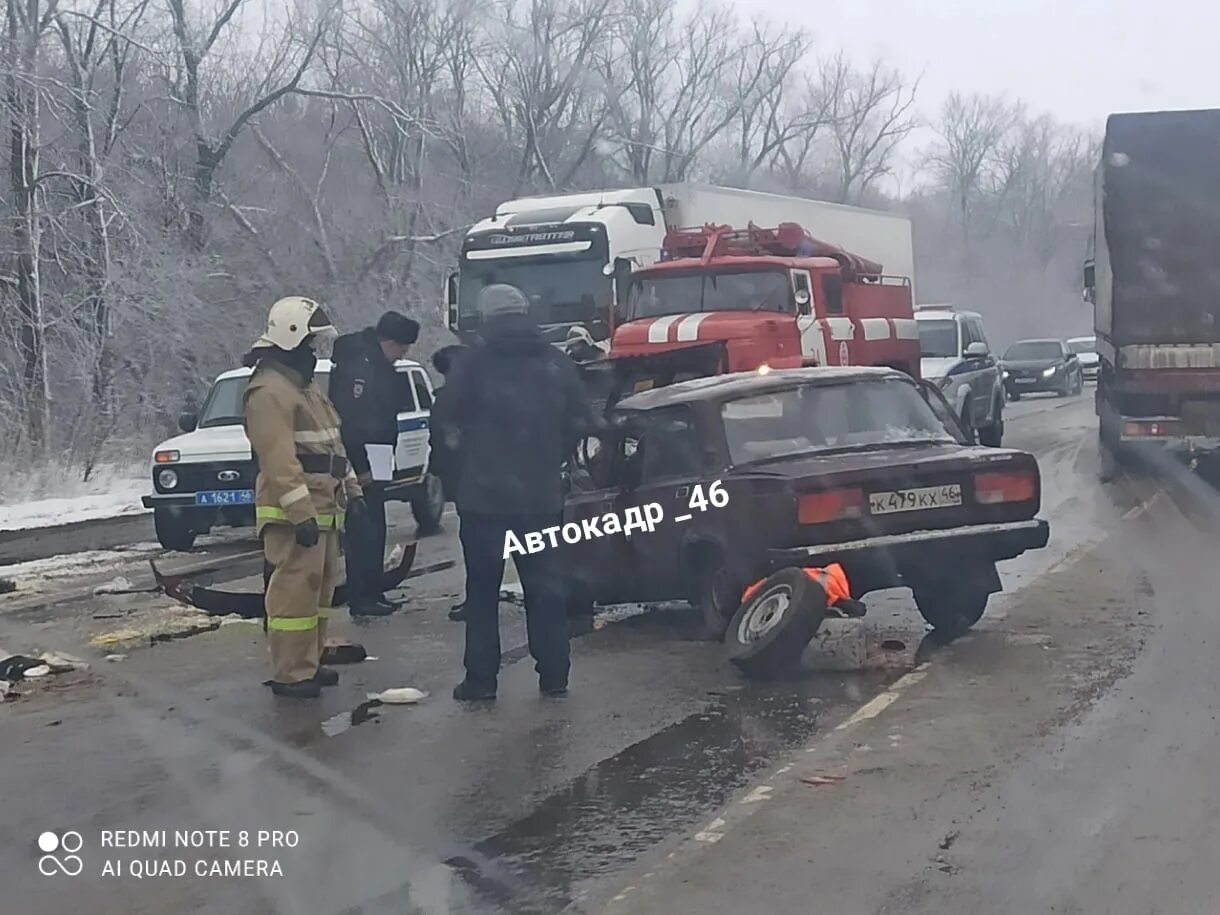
731 300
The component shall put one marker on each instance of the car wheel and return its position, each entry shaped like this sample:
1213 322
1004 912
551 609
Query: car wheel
429 505
769 632
951 609
174 532
991 435
718 598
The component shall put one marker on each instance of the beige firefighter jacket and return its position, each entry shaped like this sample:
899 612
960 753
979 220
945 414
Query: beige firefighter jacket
293 429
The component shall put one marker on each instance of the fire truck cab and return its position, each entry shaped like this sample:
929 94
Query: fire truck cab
730 300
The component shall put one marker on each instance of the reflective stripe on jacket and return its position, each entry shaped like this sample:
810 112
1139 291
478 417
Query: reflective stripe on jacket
288 420
832 580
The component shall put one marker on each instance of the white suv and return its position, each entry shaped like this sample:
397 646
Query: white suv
955 356
205 477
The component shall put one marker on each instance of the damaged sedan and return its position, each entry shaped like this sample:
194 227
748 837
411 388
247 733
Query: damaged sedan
864 467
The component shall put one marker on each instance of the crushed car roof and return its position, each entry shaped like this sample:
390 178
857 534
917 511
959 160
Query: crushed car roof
743 384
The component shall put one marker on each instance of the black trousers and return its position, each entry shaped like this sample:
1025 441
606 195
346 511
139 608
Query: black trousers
543 586
365 548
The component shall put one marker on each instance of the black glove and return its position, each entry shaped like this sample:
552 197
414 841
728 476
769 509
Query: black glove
307 532
357 510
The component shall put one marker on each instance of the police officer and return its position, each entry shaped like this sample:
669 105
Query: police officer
303 489
369 394
517 410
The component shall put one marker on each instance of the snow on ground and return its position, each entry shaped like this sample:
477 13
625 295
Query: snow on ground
70 565
105 498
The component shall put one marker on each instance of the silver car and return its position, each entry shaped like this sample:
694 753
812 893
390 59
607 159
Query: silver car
1085 349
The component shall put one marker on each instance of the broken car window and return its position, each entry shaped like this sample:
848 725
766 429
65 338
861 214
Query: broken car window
818 418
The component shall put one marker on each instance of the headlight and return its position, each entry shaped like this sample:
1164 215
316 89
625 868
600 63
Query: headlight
1047 373
1005 373
165 457
168 478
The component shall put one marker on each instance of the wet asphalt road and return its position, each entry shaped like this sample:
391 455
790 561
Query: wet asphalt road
610 798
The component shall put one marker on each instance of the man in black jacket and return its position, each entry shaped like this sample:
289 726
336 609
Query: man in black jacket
517 409
369 393
442 455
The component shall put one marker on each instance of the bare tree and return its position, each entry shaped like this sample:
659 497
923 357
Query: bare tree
289 56
870 114
971 131
28 22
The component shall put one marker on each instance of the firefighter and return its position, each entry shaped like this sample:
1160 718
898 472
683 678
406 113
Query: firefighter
305 484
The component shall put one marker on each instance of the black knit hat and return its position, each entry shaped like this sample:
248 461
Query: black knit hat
443 358
397 327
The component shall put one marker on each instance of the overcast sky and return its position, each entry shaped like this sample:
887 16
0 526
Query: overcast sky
1078 59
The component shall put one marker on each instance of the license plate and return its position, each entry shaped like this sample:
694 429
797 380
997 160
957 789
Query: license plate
225 497
912 500
1025 380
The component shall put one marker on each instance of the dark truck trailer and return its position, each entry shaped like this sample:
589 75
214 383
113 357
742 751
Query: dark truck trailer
1154 280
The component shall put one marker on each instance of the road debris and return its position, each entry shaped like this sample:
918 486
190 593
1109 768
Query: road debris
823 779
947 842
337 651
18 666
117 585
34 673
402 695
61 663
7 586
365 711
116 657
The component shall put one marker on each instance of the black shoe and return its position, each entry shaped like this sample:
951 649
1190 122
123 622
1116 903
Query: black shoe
369 608
304 689
555 691
327 677
469 692
391 604
457 613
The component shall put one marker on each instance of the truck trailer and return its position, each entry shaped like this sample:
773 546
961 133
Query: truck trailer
573 254
1153 277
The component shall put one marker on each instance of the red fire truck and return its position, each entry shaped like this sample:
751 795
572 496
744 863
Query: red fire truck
730 300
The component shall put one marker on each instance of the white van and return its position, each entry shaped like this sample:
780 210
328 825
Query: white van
204 478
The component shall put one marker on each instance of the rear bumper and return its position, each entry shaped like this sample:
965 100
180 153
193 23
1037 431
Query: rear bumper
883 561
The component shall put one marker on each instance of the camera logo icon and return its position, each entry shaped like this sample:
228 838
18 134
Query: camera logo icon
68 862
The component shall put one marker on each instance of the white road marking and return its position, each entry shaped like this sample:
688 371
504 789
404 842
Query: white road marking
879 704
761 793
714 832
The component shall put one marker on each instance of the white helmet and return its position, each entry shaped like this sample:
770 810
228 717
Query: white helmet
291 320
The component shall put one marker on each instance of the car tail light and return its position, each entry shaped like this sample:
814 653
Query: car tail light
831 505
165 457
1145 428
993 488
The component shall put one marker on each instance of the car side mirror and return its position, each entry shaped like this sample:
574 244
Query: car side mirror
188 420
977 350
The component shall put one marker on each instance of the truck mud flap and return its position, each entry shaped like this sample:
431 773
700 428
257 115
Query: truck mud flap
250 605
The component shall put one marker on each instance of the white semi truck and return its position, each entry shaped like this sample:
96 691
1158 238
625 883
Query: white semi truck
572 254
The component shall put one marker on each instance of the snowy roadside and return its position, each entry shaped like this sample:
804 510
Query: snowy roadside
105 499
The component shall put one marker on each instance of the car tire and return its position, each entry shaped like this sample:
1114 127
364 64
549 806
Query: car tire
174 532
428 506
992 435
718 598
951 608
769 632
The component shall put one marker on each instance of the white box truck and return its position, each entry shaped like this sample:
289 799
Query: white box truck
572 254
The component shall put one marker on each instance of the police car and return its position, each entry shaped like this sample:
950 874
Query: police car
956 357
204 478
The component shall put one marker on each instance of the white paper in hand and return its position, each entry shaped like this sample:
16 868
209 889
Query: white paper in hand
381 461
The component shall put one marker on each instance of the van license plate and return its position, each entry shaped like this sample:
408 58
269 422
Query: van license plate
225 497
912 500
